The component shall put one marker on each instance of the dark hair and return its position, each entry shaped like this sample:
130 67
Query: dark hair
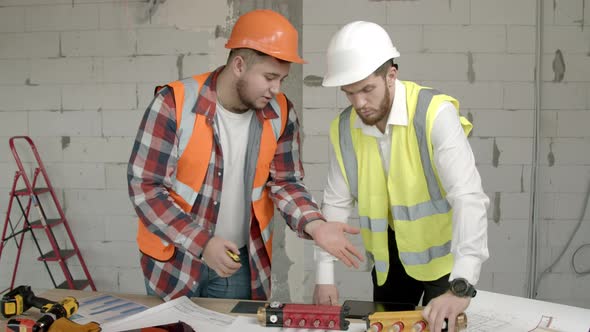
384 68
250 56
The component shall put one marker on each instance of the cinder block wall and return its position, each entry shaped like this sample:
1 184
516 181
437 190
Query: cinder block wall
77 75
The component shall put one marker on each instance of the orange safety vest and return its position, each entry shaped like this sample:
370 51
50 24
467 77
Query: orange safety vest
194 161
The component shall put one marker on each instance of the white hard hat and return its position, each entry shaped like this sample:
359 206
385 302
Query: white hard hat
356 51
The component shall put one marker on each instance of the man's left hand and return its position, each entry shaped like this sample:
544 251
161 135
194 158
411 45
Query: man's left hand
330 236
447 306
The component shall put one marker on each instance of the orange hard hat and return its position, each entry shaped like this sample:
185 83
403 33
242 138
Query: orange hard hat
268 32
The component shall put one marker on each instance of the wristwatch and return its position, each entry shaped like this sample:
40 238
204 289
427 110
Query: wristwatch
462 288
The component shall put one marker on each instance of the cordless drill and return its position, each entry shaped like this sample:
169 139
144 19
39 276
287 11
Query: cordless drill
51 312
20 300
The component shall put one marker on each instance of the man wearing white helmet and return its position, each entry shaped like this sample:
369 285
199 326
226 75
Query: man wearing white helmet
400 152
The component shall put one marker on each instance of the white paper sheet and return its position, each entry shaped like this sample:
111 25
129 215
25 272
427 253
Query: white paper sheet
180 309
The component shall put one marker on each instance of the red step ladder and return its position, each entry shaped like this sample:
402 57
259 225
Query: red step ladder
31 192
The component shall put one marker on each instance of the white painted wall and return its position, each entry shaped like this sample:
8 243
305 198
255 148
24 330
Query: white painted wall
77 76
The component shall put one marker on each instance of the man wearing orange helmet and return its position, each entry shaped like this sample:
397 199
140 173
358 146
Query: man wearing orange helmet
214 155
400 152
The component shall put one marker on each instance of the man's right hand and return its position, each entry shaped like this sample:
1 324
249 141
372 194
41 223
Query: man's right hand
215 257
325 294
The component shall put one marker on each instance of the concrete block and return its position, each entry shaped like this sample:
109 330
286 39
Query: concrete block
8 169
316 37
576 67
99 97
196 64
98 43
121 228
427 66
568 39
519 95
315 149
24 98
13 123
500 123
66 70
116 176
29 45
479 95
406 38
573 123
316 66
77 175
183 13
113 202
128 279
319 97
314 12
141 69
514 150
563 96
87 228
21 3
569 13
582 289
99 149
504 67
15 71
556 286
317 121
509 179
173 41
315 176
565 179
466 38
112 254
570 206
549 123
521 39
566 151
68 123
502 12
126 15
428 12
510 283
482 148
62 17
515 207
12 19
145 95
121 123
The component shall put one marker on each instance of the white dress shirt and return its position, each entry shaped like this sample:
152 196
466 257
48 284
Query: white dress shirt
455 164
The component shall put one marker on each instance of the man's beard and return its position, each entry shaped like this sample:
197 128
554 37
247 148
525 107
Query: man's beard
382 111
241 89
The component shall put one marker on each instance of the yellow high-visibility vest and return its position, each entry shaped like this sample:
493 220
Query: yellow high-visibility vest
410 196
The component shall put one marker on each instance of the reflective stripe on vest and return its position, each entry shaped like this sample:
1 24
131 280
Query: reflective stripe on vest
437 204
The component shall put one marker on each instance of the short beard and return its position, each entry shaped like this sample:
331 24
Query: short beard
383 110
241 88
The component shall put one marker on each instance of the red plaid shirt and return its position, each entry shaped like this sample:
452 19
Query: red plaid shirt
152 170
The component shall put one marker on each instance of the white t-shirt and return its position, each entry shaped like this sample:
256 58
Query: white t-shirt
233 135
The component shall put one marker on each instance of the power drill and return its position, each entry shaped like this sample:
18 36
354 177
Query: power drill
20 300
54 311
51 312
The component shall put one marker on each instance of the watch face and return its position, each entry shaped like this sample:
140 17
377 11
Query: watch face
459 286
